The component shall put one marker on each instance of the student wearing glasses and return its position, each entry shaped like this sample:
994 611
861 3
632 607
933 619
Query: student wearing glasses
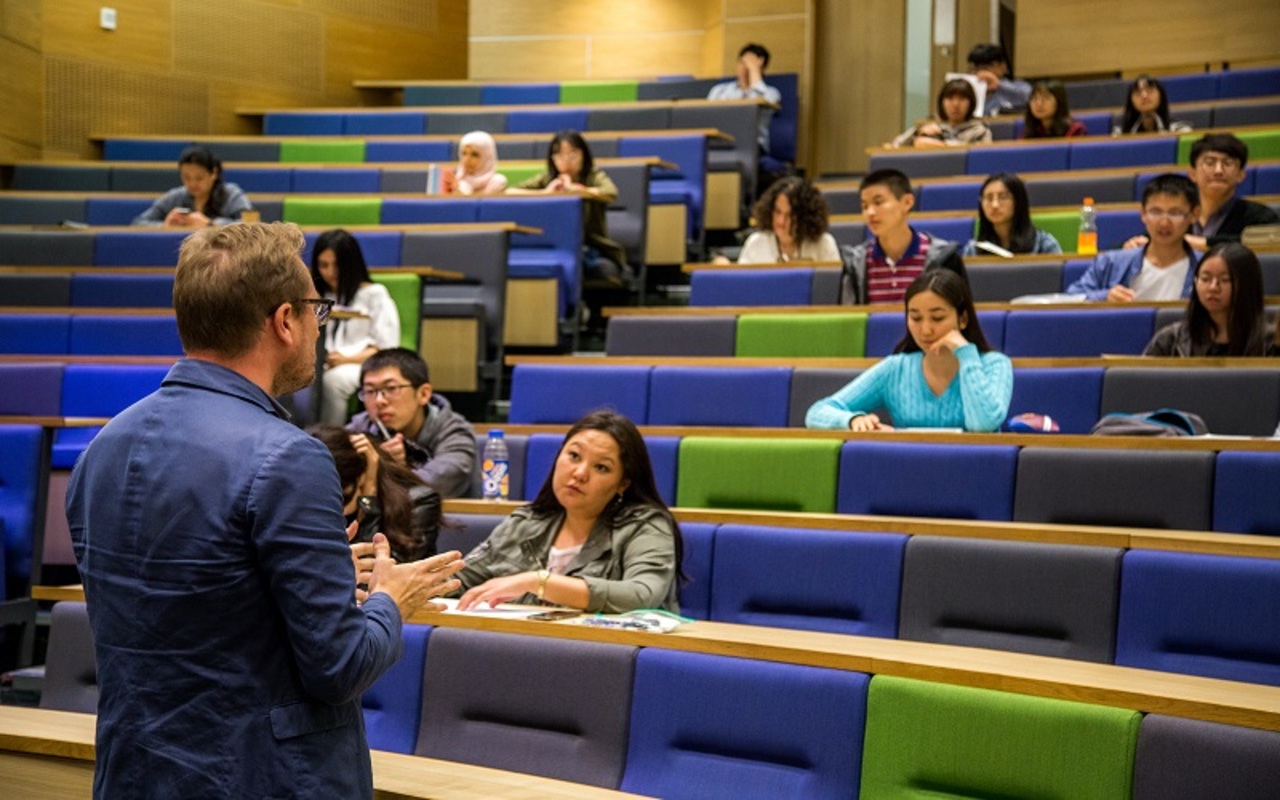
1164 267
1004 220
1225 314
418 428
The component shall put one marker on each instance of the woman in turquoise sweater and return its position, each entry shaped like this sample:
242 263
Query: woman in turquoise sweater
943 374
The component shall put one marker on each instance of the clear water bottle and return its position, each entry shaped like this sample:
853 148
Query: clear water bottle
496 467
1087 239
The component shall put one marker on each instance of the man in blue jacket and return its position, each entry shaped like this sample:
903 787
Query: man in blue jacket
1162 269
208 530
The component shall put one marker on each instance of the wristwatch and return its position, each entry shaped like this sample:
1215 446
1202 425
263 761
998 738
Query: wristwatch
543 576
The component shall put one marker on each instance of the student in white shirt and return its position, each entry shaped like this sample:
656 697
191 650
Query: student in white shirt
791 217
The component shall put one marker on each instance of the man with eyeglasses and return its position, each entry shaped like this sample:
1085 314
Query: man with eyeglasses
418 428
1217 168
208 530
1163 267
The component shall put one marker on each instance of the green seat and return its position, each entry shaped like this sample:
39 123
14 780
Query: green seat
1184 147
303 151
802 335
406 293
937 740
1064 225
599 92
518 174
760 474
1262 144
333 211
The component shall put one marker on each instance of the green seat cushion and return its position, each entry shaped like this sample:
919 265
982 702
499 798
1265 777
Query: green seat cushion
406 293
1064 225
333 211
321 152
936 740
599 91
761 474
1184 147
1262 144
519 173
802 335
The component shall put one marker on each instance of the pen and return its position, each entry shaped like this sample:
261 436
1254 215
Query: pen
386 434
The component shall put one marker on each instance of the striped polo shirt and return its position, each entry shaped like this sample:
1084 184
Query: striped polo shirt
887 280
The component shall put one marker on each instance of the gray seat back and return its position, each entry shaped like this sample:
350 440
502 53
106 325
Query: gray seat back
671 336
71 668
1178 757
1236 402
1045 599
1000 283
811 384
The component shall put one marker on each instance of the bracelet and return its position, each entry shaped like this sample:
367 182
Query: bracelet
543 576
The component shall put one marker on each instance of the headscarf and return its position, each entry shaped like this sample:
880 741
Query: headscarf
486 179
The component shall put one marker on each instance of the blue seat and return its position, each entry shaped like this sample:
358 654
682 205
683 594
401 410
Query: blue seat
1078 332
923 163
884 478
154 248
705 726
746 397
20 491
380 248
555 252
320 180
261 180
785 122
1018 158
1096 123
122 291
958 229
539 460
1190 88
1073 270
385 123
1238 506
1123 152
819 580
30 389
292 123
98 390
403 151
947 196
695 590
514 94
1072 396
553 394
1248 82
393 704
1115 227
93 335
113 210
664 455
465 532
35 334
687 184
123 149
1207 615
406 211
751 287
1267 179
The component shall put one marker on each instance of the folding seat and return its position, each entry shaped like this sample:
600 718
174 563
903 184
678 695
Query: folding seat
336 211
792 475
513 94
480 255
1018 158
923 163
423 210
556 394
848 232
960 741
125 149
542 448
100 211
678 87
16 210
1103 93
380 248
705 726
843 199
556 252
1236 402
406 150
35 334
37 289
580 92
385 123
94 335
1235 116
627 217
460 122
538 705
323 180
1135 488
393 704
1192 87
1200 615
1071 191
28 389
294 123
21 492
953 229
226 151
818 580
1192 758
1238 506
137 248
886 329
745 397
1077 332
548 121
323 151
99 390
802 335
157 178
826 287
442 95
1123 152
686 185
791 286
1248 82
884 478
1072 396
811 384
261 180
465 532
1000 283
740 122
122 291
1028 597
62 178
71 667
671 336
698 540
948 196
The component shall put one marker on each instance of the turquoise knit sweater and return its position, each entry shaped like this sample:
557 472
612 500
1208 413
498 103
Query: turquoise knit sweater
976 400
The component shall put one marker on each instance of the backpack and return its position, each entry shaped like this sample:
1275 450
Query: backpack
1161 422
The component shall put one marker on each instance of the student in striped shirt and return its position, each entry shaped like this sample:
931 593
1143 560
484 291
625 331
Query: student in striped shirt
880 269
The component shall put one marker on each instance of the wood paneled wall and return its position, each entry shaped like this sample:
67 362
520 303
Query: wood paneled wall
182 67
1075 37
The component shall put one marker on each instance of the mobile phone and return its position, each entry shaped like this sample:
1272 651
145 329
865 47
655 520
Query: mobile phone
552 616
182 210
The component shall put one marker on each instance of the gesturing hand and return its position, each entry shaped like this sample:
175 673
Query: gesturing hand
499 590
412 585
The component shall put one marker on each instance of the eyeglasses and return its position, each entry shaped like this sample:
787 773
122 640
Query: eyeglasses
321 306
1172 216
997 197
1211 280
390 391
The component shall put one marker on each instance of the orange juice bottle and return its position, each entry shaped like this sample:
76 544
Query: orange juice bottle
1087 239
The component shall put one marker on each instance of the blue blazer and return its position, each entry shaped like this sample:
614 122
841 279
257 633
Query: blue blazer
231 654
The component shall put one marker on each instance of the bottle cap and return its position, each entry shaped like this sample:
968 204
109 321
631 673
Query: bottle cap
1088 201
495 434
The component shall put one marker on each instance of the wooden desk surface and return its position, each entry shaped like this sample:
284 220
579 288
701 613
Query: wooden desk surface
714 133
622 104
1217 362
799 263
426 272
446 227
54 422
166 167
68 738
